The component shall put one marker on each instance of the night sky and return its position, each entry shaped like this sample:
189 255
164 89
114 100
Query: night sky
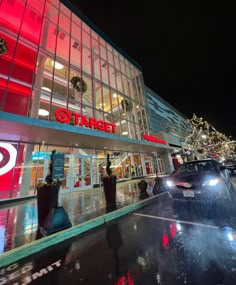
188 54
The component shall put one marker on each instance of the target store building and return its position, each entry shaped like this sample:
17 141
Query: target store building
65 86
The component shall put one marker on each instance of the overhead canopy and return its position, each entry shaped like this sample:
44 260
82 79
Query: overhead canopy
18 128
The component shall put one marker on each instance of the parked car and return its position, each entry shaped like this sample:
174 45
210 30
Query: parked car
201 180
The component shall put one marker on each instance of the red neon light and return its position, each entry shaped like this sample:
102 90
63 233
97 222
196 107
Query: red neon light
173 230
64 116
165 240
153 139
125 279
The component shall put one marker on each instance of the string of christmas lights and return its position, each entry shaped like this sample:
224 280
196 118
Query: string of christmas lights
206 141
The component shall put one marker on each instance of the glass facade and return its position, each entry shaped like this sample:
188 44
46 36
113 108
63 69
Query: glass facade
48 47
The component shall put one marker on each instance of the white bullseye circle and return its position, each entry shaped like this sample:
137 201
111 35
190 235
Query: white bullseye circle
11 163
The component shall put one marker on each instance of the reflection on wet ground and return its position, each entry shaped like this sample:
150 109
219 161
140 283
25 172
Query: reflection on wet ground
162 244
18 224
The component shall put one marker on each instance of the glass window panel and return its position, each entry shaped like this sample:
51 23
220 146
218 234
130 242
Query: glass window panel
26 172
86 60
5 63
85 28
117 122
99 114
96 66
86 39
101 40
117 65
73 93
44 110
63 43
64 23
95 35
125 128
76 29
64 9
119 81
125 84
87 96
103 52
121 106
51 12
104 71
60 86
106 100
127 71
115 52
122 65
48 36
112 76
17 95
37 5
13 15
110 58
115 102
134 71
109 47
31 25
88 111
95 46
24 63
75 53
98 95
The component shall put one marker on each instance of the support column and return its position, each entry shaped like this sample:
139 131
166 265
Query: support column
144 172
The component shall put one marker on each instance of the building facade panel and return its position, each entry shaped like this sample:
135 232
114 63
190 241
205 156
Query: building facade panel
60 69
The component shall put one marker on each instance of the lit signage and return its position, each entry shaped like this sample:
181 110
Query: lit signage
64 116
153 139
8 155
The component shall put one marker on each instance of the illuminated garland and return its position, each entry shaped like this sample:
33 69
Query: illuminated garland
3 46
126 105
206 141
78 84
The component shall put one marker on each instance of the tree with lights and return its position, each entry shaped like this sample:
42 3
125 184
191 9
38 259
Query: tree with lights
206 141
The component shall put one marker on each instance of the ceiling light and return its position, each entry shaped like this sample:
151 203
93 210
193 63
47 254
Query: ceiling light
57 64
115 95
125 133
43 112
103 104
137 106
76 144
46 89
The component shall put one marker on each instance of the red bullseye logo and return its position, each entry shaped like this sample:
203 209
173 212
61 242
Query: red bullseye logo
7 157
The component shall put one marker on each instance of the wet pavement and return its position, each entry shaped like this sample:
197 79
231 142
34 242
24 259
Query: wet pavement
19 223
163 243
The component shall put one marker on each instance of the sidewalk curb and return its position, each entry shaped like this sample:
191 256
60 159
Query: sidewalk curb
41 244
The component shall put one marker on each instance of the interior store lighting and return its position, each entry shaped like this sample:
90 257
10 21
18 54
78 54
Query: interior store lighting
57 64
43 112
46 89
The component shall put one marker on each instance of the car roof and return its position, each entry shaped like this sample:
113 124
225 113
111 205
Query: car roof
201 160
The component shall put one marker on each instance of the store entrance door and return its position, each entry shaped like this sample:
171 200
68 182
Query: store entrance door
78 172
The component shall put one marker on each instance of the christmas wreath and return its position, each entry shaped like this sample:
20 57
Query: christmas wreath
78 84
3 46
126 105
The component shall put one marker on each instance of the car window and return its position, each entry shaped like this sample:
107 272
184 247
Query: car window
203 166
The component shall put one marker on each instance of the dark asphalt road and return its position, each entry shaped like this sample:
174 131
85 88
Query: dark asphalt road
161 244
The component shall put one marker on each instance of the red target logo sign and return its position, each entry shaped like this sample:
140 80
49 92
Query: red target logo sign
8 155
